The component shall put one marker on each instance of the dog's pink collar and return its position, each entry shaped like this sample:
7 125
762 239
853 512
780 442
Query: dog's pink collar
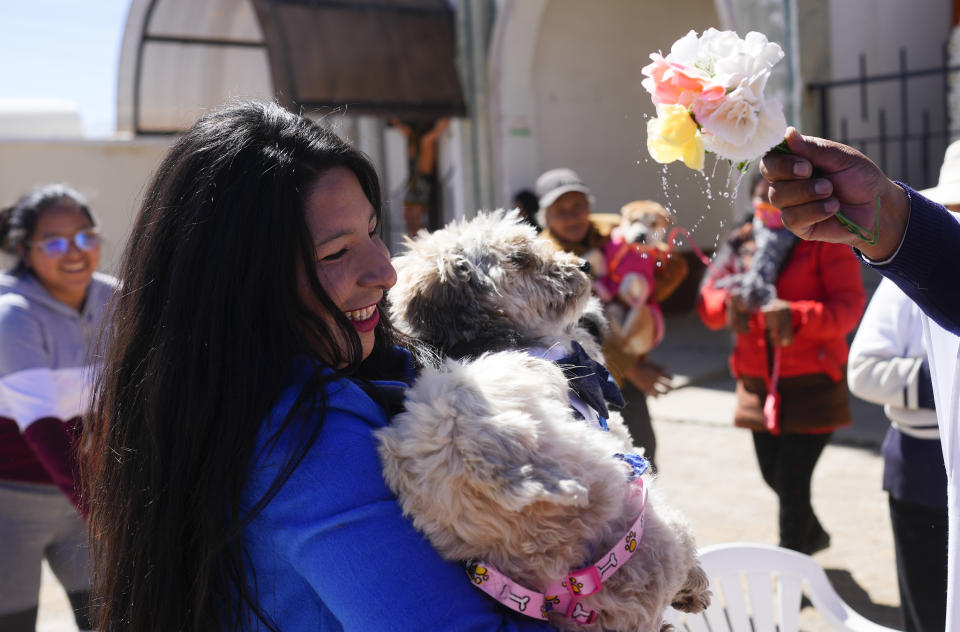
562 595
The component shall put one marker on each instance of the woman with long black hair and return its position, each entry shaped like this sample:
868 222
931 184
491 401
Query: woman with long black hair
231 470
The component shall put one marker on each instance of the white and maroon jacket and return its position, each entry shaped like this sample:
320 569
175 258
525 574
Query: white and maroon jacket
45 377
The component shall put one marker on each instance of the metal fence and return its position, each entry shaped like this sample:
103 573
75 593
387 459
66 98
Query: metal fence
900 119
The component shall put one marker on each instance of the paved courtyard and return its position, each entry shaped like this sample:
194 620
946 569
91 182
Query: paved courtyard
709 471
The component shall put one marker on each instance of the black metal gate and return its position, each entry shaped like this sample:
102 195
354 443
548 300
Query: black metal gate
900 119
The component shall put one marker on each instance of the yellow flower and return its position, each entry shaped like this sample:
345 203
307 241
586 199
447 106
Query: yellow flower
674 136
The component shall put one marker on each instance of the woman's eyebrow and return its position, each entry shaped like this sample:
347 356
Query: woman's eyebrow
57 233
343 233
332 237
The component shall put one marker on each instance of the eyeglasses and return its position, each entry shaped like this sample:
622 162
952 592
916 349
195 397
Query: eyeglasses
86 240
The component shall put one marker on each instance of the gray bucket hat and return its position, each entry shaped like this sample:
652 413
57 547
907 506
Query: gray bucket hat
947 190
554 183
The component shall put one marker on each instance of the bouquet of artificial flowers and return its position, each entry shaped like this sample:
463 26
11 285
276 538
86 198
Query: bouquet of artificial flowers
709 96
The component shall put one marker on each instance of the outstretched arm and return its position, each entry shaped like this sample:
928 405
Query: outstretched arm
819 177
919 241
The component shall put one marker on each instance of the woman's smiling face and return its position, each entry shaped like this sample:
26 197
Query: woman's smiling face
66 275
352 262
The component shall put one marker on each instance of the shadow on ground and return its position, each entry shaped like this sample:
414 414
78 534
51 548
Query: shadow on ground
859 599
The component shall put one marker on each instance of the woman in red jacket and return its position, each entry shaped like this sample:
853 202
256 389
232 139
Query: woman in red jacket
790 303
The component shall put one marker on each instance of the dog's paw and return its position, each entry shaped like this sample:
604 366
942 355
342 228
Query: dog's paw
694 595
692 602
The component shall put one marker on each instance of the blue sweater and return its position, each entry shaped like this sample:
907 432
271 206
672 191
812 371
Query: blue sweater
332 550
926 266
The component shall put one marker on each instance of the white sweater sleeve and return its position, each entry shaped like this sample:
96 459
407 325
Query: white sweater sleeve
887 353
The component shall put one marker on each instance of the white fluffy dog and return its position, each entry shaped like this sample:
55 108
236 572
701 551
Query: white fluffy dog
491 460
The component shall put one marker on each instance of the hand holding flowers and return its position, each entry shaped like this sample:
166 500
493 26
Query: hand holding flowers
709 94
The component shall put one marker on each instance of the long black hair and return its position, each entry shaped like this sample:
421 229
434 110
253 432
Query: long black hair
18 222
206 328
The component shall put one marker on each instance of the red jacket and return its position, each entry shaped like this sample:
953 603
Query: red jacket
822 283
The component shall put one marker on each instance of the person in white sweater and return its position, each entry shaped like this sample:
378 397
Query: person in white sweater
888 366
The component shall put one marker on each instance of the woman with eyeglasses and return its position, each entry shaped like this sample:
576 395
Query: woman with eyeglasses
231 468
52 303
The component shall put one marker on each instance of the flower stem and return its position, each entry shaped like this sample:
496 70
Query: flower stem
870 237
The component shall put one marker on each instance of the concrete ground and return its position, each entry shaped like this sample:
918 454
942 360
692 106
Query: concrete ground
708 470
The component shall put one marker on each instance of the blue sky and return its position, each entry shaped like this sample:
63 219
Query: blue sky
65 49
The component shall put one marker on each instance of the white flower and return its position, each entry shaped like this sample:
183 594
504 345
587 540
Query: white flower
720 45
701 52
753 59
726 57
743 126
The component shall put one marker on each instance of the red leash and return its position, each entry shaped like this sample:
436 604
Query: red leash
672 242
771 406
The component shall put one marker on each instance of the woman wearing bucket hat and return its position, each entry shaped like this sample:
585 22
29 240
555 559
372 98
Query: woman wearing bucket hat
947 191
566 215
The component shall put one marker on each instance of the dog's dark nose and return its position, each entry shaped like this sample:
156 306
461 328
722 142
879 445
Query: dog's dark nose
585 266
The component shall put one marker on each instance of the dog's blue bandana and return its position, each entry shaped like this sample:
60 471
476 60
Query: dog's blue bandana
635 461
590 380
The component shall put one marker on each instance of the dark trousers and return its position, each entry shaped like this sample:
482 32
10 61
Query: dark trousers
786 464
920 537
637 417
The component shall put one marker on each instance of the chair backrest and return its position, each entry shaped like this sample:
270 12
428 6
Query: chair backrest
765 584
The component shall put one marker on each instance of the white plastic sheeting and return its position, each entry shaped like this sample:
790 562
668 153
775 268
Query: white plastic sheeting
182 57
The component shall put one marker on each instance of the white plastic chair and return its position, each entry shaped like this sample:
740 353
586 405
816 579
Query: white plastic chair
765 584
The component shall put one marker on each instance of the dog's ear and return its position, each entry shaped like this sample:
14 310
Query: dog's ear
445 308
450 304
537 479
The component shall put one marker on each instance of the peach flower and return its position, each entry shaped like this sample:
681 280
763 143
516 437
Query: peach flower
671 83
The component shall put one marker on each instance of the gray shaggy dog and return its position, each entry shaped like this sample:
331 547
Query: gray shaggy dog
489 459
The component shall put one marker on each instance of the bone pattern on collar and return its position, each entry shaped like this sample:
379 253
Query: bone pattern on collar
564 594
